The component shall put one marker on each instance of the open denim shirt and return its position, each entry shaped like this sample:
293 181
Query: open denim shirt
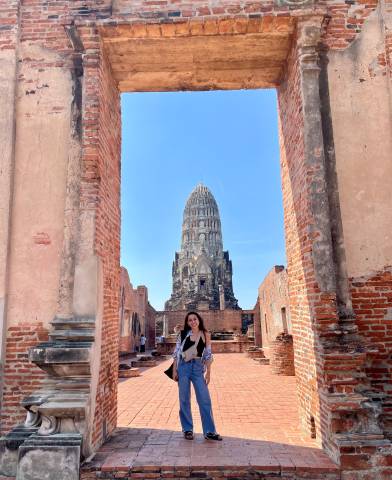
206 356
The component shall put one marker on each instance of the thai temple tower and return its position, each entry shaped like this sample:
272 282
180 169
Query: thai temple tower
202 271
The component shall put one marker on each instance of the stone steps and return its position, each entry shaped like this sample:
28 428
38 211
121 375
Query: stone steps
255 353
263 469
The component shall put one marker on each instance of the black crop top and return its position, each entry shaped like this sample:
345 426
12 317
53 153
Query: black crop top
188 343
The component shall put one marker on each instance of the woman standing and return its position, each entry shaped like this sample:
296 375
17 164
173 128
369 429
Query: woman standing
192 363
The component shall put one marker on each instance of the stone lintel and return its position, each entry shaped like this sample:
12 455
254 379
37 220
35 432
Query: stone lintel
202 55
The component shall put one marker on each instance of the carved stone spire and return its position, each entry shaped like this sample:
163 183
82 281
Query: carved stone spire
201 266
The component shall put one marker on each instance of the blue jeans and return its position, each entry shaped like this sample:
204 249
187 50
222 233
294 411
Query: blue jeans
188 372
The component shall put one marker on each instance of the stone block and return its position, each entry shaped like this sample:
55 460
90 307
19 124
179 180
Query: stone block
9 445
144 357
262 361
8 459
50 457
130 372
144 363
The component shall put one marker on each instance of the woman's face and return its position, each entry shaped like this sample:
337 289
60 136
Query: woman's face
193 321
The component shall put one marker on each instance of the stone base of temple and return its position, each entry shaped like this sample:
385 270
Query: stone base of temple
238 345
231 321
230 346
50 457
9 446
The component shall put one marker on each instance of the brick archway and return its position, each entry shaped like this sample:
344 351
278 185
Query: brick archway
116 48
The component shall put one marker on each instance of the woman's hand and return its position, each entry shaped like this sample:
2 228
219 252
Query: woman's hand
207 377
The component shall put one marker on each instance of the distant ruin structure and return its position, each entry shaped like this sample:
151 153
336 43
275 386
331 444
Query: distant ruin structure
274 321
274 306
137 316
202 270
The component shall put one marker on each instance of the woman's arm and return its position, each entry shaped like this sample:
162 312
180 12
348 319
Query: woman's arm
175 355
207 357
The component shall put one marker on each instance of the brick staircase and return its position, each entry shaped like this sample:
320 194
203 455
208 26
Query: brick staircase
210 472
257 354
146 454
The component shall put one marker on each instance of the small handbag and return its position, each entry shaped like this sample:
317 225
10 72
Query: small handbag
169 372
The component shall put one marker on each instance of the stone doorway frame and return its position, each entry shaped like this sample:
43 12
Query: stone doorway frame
324 279
304 31
321 306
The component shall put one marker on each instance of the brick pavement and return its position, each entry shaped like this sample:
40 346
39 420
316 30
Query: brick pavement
255 412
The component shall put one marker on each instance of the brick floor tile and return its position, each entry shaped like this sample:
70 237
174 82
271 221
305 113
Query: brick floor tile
255 412
121 461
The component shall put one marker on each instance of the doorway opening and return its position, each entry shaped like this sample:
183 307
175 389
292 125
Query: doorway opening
229 228
239 60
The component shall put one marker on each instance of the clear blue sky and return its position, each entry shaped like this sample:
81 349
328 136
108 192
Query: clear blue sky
226 139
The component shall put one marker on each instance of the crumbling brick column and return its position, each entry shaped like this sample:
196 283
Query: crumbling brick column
75 409
307 231
330 356
282 355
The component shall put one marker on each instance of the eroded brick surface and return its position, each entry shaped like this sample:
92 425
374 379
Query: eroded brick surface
20 377
372 301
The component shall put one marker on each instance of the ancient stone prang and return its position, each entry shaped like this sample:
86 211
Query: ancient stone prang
202 271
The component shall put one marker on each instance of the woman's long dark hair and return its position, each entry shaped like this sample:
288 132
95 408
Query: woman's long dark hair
201 322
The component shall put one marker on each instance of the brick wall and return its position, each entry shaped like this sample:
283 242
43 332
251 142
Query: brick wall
150 326
32 263
9 20
274 306
282 355
20 377
372 303
215 320
239 345
257 324
101 192
126 338
297 217
388 38
345 22
8 42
